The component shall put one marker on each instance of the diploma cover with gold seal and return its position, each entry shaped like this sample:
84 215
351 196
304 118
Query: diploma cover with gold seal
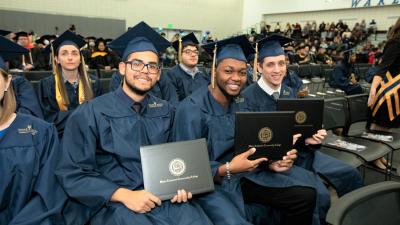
271 133
177 165
308 114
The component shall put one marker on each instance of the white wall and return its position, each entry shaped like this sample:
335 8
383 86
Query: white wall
221 17
254 10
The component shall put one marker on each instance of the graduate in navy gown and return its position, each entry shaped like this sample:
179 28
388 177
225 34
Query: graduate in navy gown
292 79
29 191
101 168
70 86
210 113
27 101
163 89
345 76
263 95
186 76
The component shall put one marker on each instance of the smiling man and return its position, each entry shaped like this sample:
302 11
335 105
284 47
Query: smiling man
101 166
263 95
185 76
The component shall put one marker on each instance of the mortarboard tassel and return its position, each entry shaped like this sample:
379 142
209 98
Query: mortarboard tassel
255 68
180 50
81 94
213 67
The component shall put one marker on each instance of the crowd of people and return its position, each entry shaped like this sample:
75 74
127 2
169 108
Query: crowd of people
319 44
70 155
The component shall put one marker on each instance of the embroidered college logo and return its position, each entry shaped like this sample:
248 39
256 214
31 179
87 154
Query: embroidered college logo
27 130
177 167
265 135
300 117
155 105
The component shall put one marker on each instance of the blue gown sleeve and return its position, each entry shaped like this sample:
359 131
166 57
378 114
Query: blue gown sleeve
27 101
116 80
190 124
97 87
48 197
168 90
339 78
77 170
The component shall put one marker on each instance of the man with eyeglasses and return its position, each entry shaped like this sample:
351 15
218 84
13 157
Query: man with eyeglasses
186 76
100 167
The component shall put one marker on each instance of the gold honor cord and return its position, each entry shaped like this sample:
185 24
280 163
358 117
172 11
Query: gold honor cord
95 54
389 92
81 93
213 67
255 68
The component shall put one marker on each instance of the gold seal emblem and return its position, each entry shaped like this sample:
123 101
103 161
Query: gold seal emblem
265 135
300 117
177 167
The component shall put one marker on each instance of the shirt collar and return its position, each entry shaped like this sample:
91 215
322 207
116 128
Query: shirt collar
263 85
188 70
126 100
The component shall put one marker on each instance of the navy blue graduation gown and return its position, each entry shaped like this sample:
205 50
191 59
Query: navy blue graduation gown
342 176
29 191
184 83
201 116
163 88
27 101
293 81
101 154
340 79
48 102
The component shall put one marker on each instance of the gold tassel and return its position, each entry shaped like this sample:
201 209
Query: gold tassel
255 68
180 50
81 93
213 67
59 99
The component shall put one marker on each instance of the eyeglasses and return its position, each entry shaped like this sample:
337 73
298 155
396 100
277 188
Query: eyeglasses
191 52
138 66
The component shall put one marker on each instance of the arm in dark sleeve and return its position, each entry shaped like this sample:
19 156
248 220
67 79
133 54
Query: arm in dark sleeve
27 101
77 169
189 124
116 80
391 53
168 91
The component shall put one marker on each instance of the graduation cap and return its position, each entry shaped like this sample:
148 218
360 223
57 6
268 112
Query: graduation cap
47 37
272 46
91 38
182 42
66 38
20 34
238 48
139 38
4 32
179 44
9 50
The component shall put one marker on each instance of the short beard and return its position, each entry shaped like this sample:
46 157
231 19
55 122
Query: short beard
136 90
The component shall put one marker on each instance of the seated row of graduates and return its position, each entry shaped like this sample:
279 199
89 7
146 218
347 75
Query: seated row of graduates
94 175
